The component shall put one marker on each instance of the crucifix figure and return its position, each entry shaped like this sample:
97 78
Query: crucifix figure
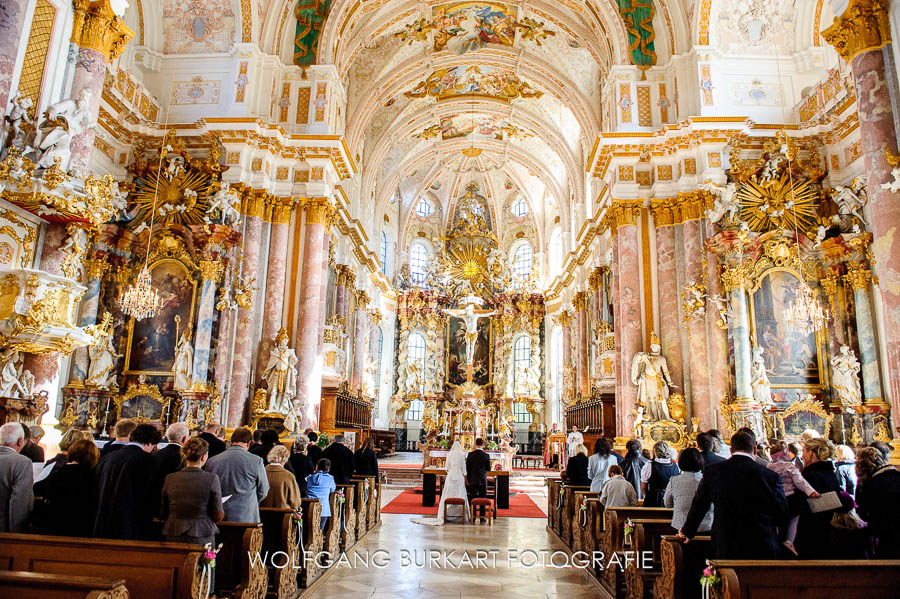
470 316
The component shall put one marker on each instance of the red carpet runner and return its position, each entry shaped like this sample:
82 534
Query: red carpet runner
408 502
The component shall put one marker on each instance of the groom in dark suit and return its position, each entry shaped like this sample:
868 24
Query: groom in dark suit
749 505
478 462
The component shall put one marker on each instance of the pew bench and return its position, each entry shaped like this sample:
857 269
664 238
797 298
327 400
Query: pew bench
236 575
808 579
613 540
151 570
282 533
594 529
580 520
332 532
681 567
568 512
554 505
647 537
363 491
347 516
58 586
311 541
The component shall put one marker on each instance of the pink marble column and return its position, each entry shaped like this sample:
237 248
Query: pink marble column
717 336
617 333
698 368
360 336
629 324
342 292
324 292
275 279
312 311
669 322
244 342
12 25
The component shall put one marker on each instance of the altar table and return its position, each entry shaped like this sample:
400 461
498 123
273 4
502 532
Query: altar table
429 486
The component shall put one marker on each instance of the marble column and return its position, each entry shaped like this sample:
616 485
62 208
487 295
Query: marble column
717 336
630 338
210 273
323 290
733 282
582 380
861 35
669 323
242 358
833 289
700 400
94 268
346 279
312 310
12 25
99 36
275 278
858 279
360 335
224 344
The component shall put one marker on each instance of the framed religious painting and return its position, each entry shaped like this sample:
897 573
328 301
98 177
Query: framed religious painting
792 355
455 362
143 403
151 342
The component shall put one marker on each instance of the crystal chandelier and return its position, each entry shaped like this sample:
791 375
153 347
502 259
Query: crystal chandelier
806 315
141 300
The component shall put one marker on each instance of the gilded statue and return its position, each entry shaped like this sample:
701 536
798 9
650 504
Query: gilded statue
651 375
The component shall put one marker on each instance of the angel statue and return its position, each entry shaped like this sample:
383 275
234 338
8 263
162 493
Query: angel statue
20 121
69 119
226 203
184 362
413 379
281 374
724 203
9 373
851 199
102 371
470 316
845 377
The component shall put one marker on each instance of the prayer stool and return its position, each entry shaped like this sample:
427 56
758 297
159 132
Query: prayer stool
455 501
487 504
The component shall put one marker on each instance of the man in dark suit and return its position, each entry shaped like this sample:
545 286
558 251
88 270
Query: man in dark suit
478 462
314 451
211 435
121 433
268 441
168 459
749 505
341 460
127 501
707 446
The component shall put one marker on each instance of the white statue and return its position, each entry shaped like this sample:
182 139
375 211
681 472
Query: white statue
522 387
821 232
894 183
72 265
413 378
69 118
119 7
470 317
851 199
226 202
281 374
27 382
184 362
651 375
759 380
102 371
722 309
637 431
724 202
20 121
10 373
845 377
174 166
772 168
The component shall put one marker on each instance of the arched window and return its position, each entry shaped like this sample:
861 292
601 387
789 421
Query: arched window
555 258
423 208
416 354
556 365
520 208
521 366
522 263
382 252
418 262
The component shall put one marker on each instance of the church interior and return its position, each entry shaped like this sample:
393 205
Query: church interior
424 223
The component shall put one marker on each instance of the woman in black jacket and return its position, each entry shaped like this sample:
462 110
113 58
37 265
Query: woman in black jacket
365 460
301 463
878 496
68 501
577 468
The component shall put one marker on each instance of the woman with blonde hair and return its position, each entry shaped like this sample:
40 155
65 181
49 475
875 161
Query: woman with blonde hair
655 474
283 489
845 468
577 467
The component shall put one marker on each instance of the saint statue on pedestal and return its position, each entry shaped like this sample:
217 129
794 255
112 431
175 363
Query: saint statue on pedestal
102 371
845 377
280 374
184 362
651 375
759 380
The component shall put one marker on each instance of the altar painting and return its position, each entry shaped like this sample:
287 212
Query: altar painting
456 352
151 342
792 357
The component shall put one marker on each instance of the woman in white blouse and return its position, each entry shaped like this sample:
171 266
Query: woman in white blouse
682 487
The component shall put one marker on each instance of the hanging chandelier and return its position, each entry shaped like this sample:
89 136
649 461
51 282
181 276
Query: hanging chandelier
141 300
806 315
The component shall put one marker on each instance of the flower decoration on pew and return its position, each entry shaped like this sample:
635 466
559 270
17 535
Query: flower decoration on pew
710 581
341 497
629 530
207 564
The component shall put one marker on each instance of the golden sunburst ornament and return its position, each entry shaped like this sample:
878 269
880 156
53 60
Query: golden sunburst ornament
777 204
468 262
183 194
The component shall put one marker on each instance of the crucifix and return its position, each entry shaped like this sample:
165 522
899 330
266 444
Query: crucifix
469 315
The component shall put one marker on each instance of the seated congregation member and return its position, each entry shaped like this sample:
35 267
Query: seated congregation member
748 502
599 463
283 489
67 501
66 441
617 492
32 450
478 462
577 467
16 479
632 464
121 434
878 497
301 463
320 485
365 460
313 451
882 447
127 501
655 475
341 458
721 448
192 498
845 468
682 487
796 490
242 476
707 445
211 434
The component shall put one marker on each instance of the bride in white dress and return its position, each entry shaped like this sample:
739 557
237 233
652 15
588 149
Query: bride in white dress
454 486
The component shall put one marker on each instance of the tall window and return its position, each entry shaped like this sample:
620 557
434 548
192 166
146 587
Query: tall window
520 208
382 253
416 355
376 392
521 366
556 364
423 208
522 263
418 262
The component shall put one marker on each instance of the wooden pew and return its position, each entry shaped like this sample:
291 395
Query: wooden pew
361 504
580 520
372 501
377 503
57 586
812 579
151 570
312 541
554 505
332 532
568 512
647 537
613 540
594 532
681 568
281 533
347 516
236 575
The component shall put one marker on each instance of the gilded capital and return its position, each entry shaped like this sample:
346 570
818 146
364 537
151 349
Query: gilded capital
318 211
211 270
564 318
253 202
627 212
362 298
662 211
864 26
96 26
281 210
732 278
581 301
858 278
831 283
595 279
94 268
692 205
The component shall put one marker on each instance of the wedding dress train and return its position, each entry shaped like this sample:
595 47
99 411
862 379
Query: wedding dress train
454 486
